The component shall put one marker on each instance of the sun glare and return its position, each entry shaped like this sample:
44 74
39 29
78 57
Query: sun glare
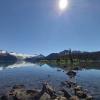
63 4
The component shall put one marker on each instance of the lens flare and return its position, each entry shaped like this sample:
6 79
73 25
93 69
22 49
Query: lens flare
63 4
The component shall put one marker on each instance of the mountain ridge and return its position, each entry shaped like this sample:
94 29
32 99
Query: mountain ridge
64 55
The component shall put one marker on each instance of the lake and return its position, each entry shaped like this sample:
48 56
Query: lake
33 75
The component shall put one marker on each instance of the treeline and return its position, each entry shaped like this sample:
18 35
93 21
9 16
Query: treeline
66 56
75 55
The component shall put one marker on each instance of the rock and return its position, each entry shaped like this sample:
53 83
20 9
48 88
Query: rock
15 98
61 98
19 92
64 66
45 96
3 97
21 95
70 84
31 92
77 88
74 98
86 90
66 93
58 70
63 83
10 93
71 73
89 98
60 93
18 87
48 89
81 94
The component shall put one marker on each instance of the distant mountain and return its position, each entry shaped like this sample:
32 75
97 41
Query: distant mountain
35 58
52 56
22 56
64 52
63 55
6 57
18 56
95 56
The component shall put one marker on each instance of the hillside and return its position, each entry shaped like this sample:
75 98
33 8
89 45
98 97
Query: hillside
6 57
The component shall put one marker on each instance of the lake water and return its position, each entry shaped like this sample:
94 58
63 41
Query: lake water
32 76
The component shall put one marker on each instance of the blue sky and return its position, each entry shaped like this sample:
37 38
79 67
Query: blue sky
38 26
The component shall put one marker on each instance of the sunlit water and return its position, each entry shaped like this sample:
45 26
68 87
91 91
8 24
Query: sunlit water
32 76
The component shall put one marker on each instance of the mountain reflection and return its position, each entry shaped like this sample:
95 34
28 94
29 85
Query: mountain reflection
8 65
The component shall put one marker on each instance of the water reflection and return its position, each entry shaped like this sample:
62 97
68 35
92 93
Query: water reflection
8 65
53 65
5 65
2 64
32 75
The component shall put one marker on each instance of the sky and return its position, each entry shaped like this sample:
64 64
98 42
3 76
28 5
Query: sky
39 26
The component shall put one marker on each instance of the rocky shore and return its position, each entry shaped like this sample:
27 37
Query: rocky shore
70 90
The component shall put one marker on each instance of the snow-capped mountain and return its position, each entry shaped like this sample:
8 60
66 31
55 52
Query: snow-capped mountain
3 52
20 55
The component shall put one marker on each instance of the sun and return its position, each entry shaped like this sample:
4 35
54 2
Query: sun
63 4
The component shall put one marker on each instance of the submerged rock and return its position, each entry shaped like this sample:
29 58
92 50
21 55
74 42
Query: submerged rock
60 93
4 97
70 83
18 87
58 70
77 88
89 97
45 96
71 73
31 92
81 94
19 92
74 98
61 98
66 93
48 89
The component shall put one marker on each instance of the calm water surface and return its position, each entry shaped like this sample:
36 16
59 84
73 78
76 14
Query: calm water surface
32 75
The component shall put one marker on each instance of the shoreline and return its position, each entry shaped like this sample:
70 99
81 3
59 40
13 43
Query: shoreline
69 91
